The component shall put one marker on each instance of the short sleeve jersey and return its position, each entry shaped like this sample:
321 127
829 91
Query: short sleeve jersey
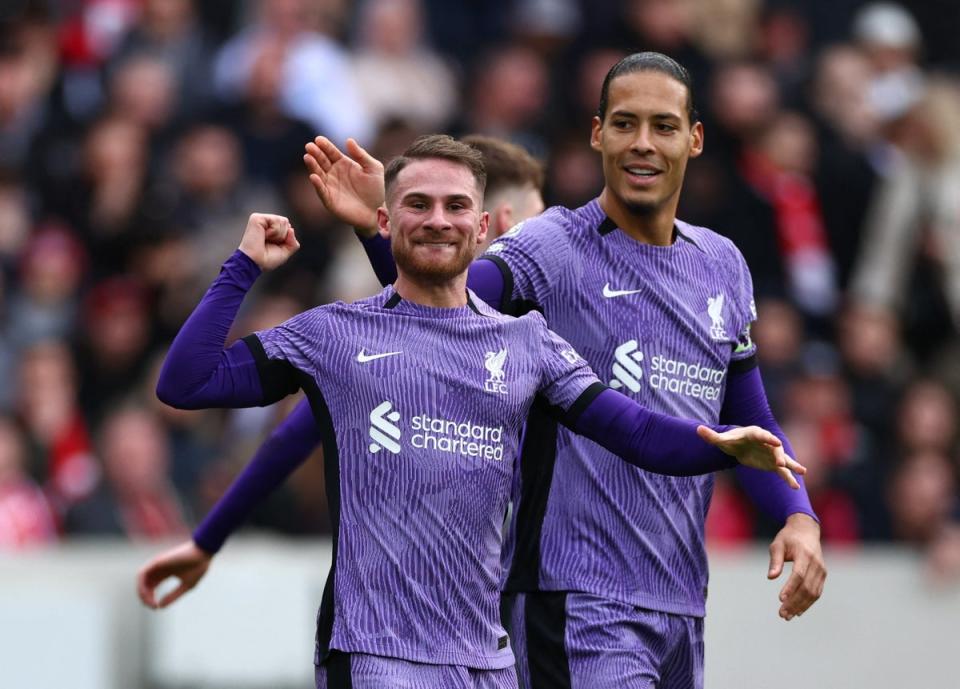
662 324
420 410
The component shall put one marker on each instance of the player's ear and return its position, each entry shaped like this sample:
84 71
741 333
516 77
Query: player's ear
696 139
502 219
383 222
596 133
484 228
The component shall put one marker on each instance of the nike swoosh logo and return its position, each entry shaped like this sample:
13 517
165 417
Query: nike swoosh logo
608 293
363 357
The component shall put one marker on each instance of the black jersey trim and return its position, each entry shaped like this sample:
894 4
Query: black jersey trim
331 470
582 402
607 226
507 294
743 365
545 622
538 455
392 302
473 307
278 378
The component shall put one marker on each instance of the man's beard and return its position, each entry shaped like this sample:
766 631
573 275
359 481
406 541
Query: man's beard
430 272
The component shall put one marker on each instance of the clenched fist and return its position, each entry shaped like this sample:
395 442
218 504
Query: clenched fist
269 240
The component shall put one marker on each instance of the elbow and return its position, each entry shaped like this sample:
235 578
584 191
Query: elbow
171 394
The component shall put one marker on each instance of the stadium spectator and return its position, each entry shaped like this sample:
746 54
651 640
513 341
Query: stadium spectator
397 74
168 31
61 455
25 516
316 85
135 499
910 252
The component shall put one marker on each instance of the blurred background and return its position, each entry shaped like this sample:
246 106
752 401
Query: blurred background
136 136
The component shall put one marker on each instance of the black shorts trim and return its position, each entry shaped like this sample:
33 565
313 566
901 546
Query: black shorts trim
337 667
545 622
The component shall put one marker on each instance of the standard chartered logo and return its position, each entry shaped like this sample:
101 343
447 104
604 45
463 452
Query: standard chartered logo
433 433
664 374
383 429
626 368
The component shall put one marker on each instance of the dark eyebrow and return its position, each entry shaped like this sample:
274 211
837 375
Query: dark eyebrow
419 196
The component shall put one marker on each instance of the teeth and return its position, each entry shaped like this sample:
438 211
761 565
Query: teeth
641 173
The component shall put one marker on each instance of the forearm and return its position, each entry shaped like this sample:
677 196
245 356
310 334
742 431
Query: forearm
380 256
198 372
651 441
287 448
745 404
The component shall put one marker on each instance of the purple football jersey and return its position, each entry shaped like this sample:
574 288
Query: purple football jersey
421 411
662 324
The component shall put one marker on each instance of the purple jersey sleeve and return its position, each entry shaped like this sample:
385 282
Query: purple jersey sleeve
655 442
287 448
745 404
530 257
743 302
293 348
381 258
564 375
198 372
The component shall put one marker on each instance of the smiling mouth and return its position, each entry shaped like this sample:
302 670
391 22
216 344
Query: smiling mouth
642 172
435 245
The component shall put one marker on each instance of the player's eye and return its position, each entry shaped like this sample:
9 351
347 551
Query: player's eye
665 127
456 206
621 124
418 205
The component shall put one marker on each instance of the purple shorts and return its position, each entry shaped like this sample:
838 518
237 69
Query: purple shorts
363 671
566 640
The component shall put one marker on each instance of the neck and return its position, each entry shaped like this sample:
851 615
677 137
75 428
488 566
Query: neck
653 226
448 294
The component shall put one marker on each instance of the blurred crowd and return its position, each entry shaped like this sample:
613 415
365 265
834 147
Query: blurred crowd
136 136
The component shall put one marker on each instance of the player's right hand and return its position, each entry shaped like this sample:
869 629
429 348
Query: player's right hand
755 447
269 240
187 562
350 186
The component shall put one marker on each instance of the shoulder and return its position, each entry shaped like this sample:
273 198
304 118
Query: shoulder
554 223
712 243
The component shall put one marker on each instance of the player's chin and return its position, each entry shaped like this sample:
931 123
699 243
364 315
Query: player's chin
438 267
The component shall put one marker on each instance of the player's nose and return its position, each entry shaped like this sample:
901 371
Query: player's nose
437 218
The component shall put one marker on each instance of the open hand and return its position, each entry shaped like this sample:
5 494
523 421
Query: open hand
350 186
798 542
755 447
186 562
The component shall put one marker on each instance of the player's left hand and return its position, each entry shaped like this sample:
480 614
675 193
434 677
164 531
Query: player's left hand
187 562
798 542
755 447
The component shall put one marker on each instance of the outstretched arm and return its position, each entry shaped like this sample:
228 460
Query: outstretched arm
198 372
798 541
667 445
287 448
281 454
